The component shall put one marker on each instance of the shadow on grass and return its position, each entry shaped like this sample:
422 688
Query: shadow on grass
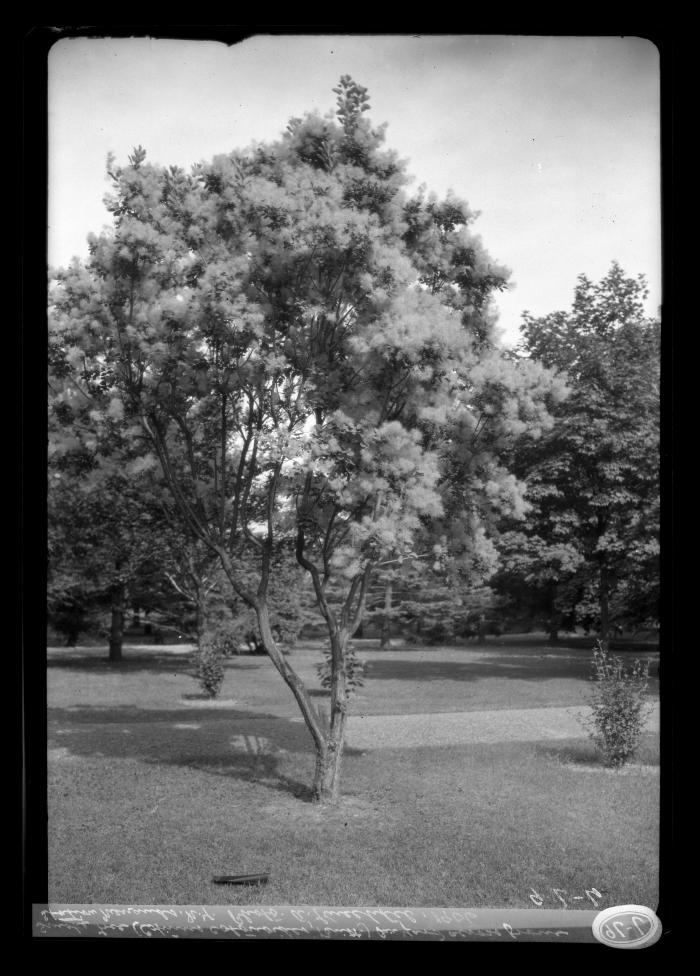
248 746
498 664
574 642
155 663
537 642
582 753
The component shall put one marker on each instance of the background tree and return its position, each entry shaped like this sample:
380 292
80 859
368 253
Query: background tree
105 529
309 353
191 571
74 594
536 578
436 595
592 533
114 534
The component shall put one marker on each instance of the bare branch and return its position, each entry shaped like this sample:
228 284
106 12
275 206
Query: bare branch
158 441
357 619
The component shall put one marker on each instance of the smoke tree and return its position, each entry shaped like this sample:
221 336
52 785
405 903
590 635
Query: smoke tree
309 353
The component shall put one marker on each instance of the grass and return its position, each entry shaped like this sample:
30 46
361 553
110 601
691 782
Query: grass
153 790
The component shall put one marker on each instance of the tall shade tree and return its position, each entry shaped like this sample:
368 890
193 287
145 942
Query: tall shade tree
309 353
591 542
107 523
101 543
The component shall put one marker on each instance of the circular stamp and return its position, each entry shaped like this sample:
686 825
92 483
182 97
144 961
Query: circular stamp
627 927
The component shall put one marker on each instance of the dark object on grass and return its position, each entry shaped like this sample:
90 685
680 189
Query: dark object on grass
243 879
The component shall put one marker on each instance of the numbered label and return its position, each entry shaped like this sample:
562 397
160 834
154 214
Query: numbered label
627 927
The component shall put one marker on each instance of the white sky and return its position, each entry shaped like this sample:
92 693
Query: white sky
556 141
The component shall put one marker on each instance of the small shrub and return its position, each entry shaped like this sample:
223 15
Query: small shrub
225 645
618 706
210 669
355 671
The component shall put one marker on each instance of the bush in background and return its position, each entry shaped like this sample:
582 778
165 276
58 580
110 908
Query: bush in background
618 705
355 671
210 669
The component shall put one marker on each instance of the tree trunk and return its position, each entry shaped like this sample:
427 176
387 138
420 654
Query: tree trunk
604 605
328 738
316 722
555 617
326 788
386 619
481 629
554 625
116 630
202 625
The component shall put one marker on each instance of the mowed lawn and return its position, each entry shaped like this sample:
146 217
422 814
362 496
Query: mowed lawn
154 790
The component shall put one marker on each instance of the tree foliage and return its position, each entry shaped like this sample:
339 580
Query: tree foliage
619 706
591 541
309 354
105 531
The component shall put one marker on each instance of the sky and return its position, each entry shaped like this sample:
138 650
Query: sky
555 141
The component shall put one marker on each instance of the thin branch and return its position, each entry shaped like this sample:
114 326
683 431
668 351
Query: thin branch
239 479
347 603
267 548
246 492
187 434
187 596
326 546
310 567
222 517
158 442
359 613
246 595
79 388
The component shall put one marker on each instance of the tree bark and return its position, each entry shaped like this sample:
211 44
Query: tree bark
202 624
386 619
326 788
116 630
316 722
555 617
328 737
604 606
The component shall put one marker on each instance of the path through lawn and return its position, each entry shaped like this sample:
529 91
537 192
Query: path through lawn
454 728
462 784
